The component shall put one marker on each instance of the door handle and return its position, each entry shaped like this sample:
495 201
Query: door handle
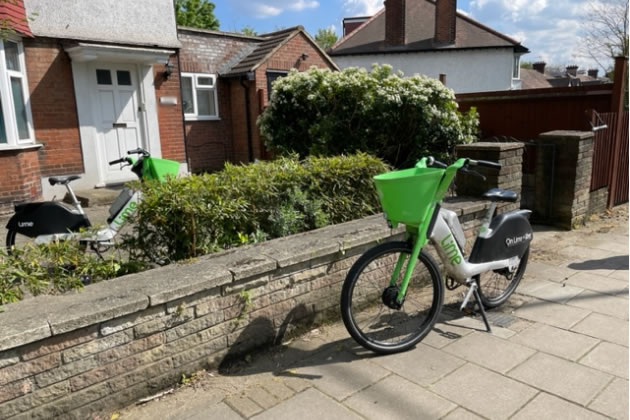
119 125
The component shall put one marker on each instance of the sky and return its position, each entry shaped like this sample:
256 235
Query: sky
549 28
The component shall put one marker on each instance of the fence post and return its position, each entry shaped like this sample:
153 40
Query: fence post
619 89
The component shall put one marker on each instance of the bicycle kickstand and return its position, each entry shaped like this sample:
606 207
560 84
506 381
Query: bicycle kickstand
472 291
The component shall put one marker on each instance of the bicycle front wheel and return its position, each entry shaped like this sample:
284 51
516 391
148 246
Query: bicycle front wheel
367 294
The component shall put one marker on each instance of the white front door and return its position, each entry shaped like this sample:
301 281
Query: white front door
117 117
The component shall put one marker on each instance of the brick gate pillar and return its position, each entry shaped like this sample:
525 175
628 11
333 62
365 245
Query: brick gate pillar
564 165
510 177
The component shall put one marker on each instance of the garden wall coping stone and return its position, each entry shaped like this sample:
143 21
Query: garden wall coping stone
40 317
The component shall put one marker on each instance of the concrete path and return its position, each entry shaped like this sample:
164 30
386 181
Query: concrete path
559 349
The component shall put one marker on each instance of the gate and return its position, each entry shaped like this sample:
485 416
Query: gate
610 158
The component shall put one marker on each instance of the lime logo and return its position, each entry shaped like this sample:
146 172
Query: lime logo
124 215
450 249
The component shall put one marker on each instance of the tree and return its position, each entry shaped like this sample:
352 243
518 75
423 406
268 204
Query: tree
326 38
605 26
248 30
527 65
196 14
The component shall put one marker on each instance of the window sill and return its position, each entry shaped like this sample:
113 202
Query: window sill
10 147
202 118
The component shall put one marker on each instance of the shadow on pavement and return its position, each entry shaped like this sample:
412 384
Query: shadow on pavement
618 262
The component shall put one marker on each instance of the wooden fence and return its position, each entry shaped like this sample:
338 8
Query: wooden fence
524 114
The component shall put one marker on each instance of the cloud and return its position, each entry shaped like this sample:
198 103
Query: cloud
268 8
551 29
362 7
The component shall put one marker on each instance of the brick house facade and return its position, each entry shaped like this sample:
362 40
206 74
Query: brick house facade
83 73
243 67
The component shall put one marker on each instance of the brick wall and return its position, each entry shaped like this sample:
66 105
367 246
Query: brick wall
20 180
564 166
240 145
286 58
598 201
170 117
116 341
53 105
210 143
508 155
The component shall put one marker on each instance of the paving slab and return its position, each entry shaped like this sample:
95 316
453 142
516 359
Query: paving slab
541 271
546 406
484 392
604 304
476 324
568 380
602 284
604 327
341 374
613 401
308 405
620 275
243 405
608 357
556 341
561 316
219 411
550 291
504 356
423 365
462 414
396 398
444 333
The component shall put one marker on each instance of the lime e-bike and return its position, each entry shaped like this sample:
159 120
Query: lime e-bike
393 294
48 221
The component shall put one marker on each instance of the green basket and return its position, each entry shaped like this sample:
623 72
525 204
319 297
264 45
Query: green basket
406 195
155 168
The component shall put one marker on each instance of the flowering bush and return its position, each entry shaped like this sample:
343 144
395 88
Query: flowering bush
396 118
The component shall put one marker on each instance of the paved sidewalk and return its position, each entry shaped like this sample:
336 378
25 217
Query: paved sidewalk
559 349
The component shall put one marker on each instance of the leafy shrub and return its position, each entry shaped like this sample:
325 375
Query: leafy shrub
54 268
399 119
191 216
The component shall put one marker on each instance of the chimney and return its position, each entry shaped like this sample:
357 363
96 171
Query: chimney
395 22
572 70
350 24
593 73
445 15
539 66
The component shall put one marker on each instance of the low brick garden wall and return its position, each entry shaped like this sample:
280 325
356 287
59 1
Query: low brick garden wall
116 341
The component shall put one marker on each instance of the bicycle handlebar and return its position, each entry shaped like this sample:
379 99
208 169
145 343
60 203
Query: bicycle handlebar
121 160
138 151
485 164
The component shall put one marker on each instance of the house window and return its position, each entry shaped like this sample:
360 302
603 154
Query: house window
516 69
272 75
199 96
16 125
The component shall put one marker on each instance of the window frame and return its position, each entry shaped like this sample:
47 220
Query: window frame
195 86
516 67
6 97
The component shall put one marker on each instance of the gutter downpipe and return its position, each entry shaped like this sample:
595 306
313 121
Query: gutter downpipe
250 148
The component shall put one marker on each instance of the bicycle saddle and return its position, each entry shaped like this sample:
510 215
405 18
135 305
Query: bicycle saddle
63 180
499 194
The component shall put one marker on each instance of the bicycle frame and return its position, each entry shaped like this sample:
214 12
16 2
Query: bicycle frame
442 238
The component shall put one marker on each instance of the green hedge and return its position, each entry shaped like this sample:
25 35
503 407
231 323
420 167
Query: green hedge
195 215
399 119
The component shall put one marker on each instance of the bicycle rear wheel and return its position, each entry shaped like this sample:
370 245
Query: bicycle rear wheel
496 287
366 292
